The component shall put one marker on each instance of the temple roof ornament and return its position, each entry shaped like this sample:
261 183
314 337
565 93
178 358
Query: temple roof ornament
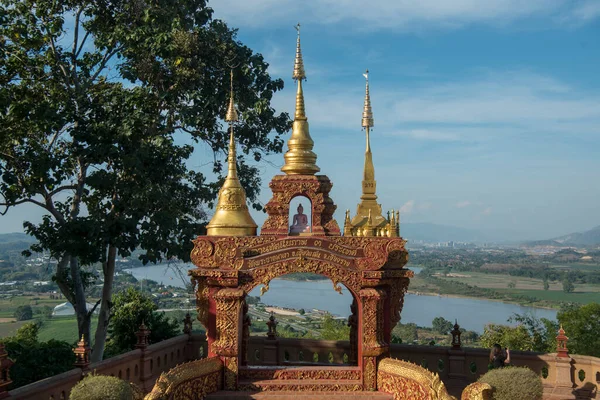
300 159
369 220
231 217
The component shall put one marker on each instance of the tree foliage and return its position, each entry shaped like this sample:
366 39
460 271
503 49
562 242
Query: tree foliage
130 309
531 334
407 333
100 103
23 313
35 360
442 325
582 324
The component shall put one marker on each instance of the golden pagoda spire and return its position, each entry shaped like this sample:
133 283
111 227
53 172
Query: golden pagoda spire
231 217
368 184
300 159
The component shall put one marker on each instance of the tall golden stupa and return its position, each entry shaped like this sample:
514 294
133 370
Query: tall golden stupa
369 220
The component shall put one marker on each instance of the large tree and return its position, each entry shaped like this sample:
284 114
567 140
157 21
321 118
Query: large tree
100 103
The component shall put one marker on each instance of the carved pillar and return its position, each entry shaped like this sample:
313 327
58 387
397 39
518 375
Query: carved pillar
229 333
5 364
146 381
561 344
456 357
353 324
563 362
372 332
271 344
82 354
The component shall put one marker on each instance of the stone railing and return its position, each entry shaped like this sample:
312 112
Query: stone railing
564 376
282 351
142 366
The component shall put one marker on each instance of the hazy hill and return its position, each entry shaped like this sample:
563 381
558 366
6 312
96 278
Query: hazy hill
587 238
16 237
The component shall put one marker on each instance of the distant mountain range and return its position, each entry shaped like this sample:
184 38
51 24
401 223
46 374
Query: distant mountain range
16 237
587 238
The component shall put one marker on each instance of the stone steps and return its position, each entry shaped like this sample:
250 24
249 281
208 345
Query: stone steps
301 385
289 395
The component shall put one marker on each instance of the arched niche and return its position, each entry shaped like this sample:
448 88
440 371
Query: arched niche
300 222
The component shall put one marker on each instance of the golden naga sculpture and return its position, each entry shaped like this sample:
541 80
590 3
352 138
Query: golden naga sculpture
477 391
300 159
231 217
191 380
369 220
408 381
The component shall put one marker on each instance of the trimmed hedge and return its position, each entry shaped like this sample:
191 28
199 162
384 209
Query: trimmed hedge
512 383
101 387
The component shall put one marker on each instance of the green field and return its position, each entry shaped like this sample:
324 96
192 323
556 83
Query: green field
9 328
557 296
534 288
578 266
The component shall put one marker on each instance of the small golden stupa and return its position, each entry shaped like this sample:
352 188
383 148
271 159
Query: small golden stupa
300 159
369 220
231 217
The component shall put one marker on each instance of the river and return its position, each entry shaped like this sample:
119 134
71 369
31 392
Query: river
472 314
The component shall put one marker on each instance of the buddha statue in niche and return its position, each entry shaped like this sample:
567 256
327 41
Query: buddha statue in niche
300 222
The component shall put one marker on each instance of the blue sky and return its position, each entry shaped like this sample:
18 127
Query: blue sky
487 113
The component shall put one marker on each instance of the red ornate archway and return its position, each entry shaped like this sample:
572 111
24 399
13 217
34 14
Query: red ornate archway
230 267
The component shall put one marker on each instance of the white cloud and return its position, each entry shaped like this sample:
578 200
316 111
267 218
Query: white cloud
487 211
486 106
407 207
463 204
402 15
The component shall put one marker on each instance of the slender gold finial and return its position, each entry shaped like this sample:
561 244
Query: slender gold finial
299 73
367 115
369 184
300 159
232 115
231 217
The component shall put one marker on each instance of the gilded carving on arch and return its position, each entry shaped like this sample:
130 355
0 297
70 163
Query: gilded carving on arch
229 303
262 276
370 373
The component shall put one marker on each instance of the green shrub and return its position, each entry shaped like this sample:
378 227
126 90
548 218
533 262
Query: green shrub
512 383
35 360
101 387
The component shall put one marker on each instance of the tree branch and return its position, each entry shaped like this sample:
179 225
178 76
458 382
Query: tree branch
105 59
61 188
79 188
16 203
87 33
76 37
61 270
91 312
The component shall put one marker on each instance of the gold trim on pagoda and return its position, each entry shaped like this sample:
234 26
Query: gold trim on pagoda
231 217
300 159
369 220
